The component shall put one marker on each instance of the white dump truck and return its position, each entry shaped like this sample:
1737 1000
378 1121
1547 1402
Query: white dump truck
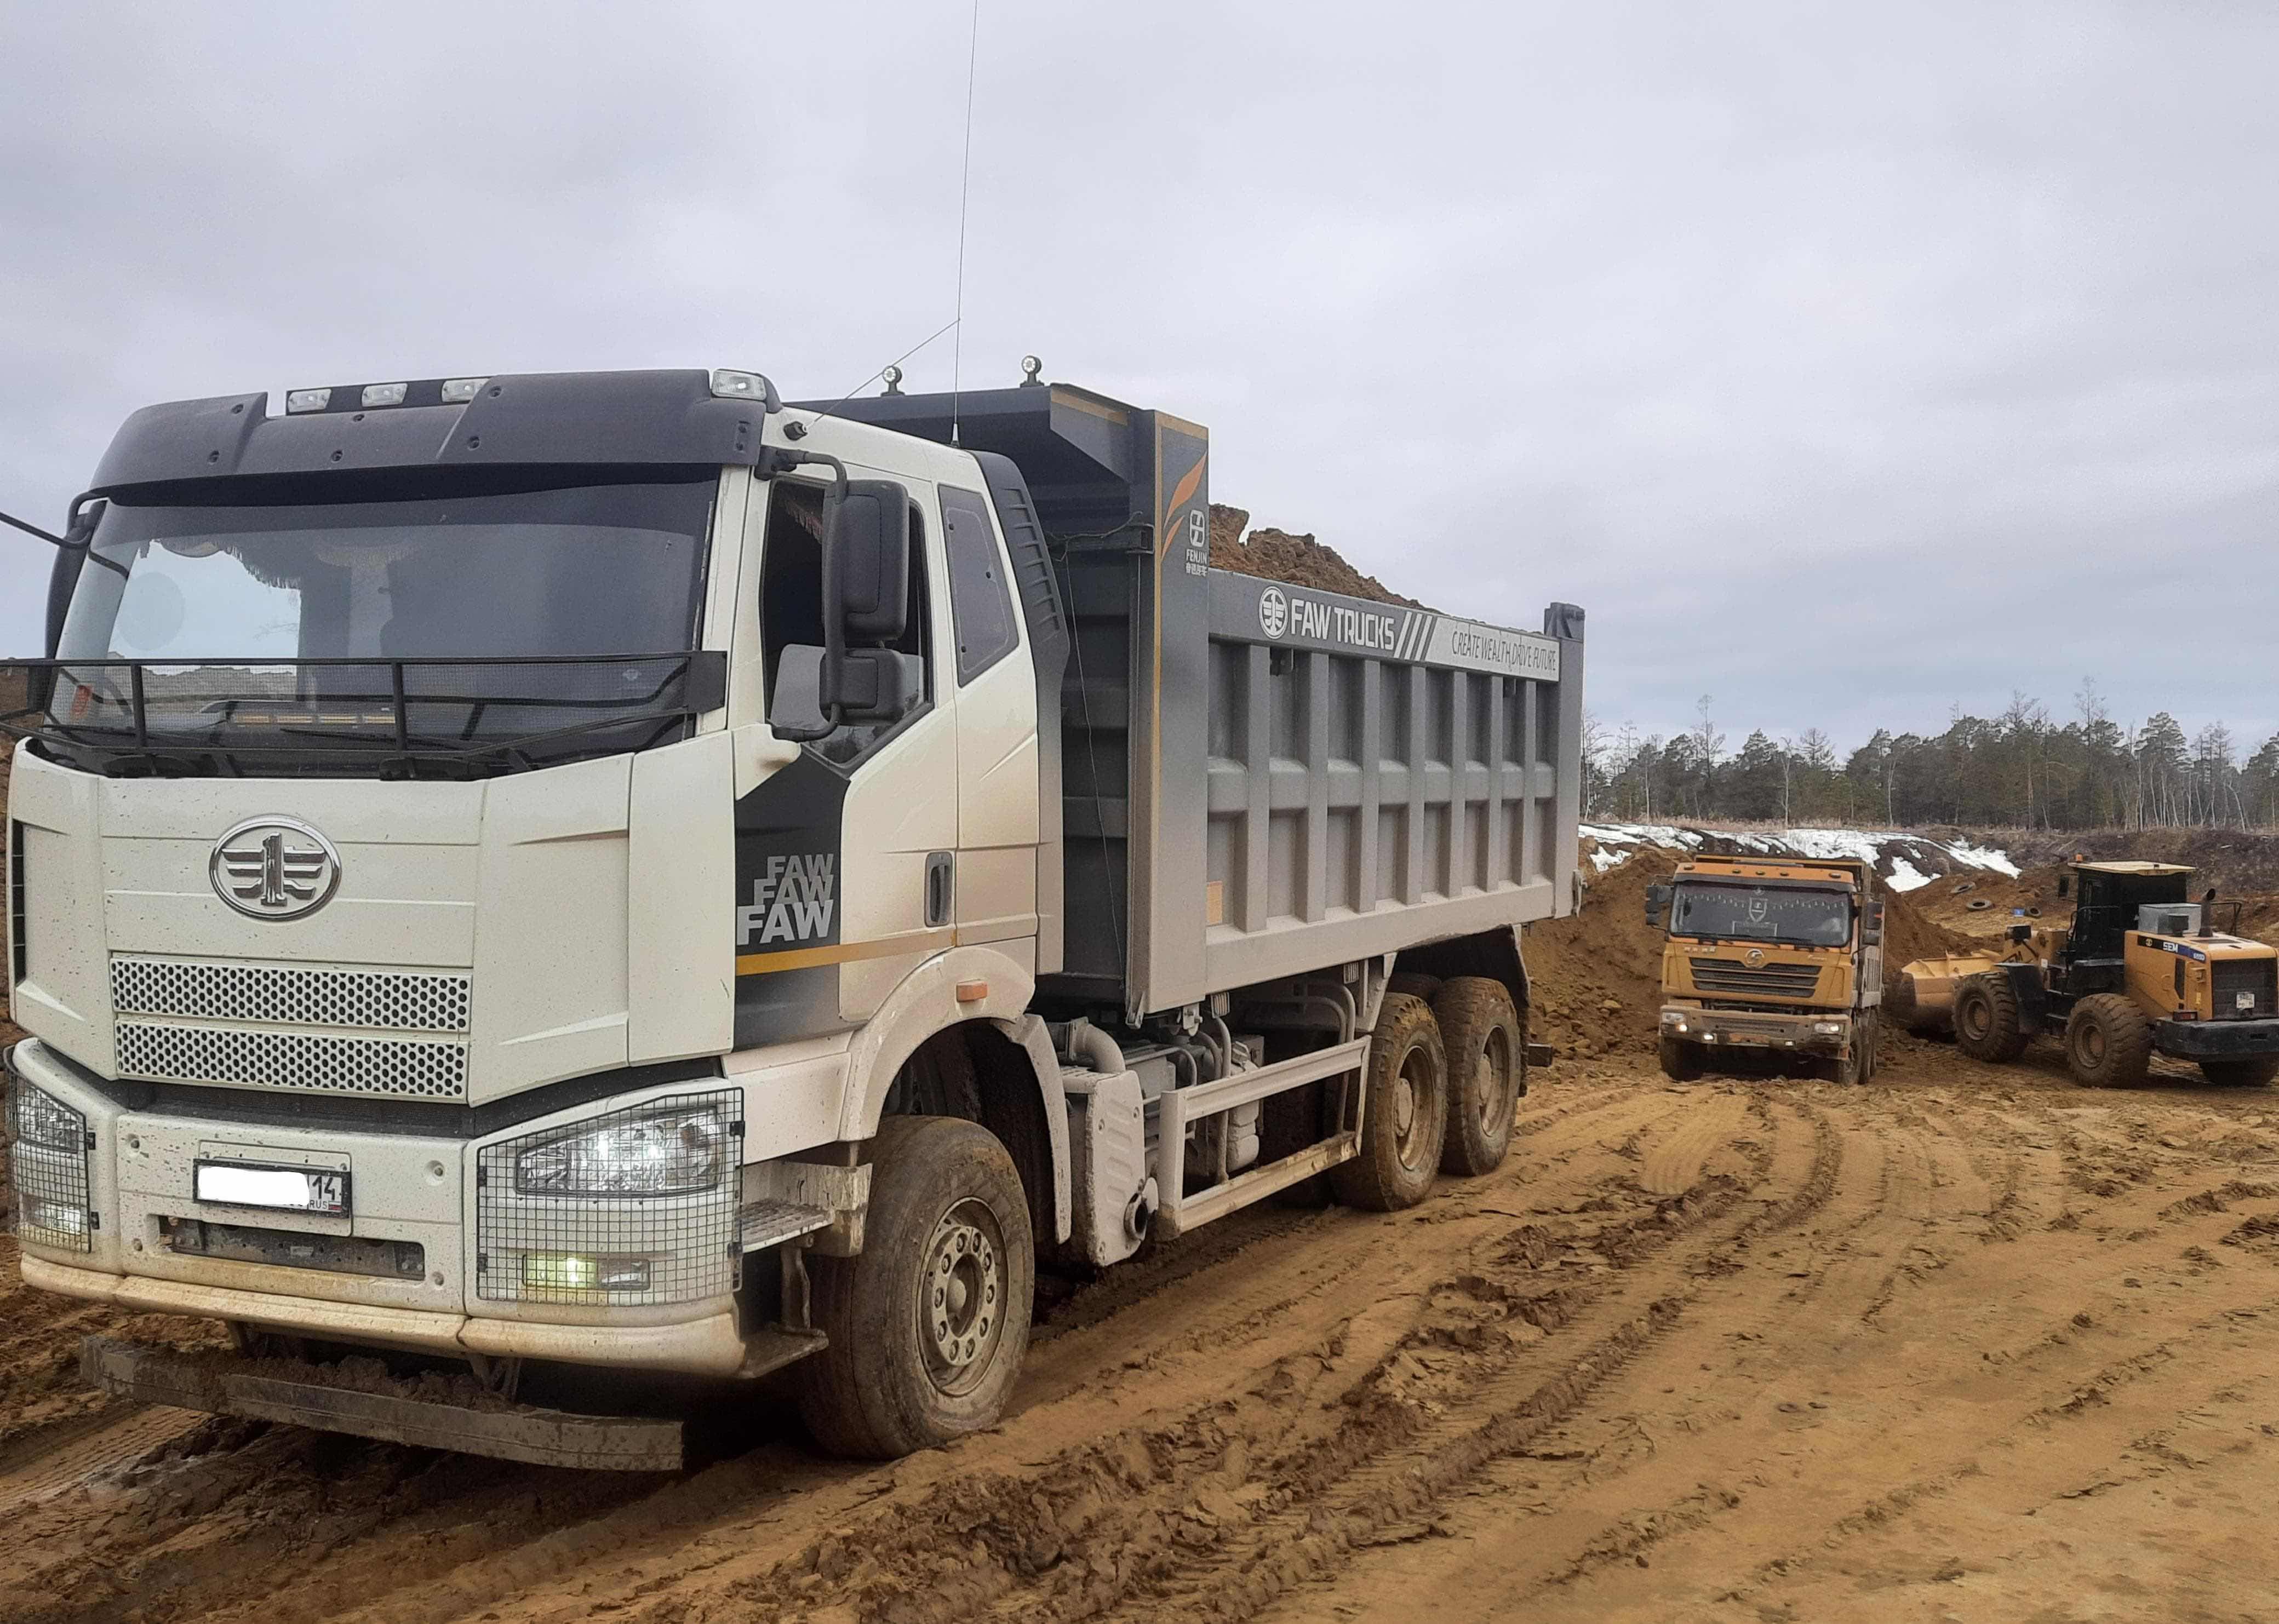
613 870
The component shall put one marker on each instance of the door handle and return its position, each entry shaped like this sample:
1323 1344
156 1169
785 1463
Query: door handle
938 888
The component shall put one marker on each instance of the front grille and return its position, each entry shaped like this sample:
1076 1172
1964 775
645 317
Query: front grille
1774 980
406 1067
2258 978
392 1001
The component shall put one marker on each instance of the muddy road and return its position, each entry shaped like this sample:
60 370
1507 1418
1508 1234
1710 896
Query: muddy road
1961 1344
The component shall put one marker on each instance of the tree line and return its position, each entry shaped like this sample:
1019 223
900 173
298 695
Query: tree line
2020 769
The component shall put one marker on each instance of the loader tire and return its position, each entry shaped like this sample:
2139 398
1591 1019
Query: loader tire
2254 1071
2108 1042
1680 1062
929 1322
1988 1024
1404 1111
1487 1072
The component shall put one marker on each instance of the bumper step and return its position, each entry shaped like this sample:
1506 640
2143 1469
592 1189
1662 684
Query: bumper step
511 1432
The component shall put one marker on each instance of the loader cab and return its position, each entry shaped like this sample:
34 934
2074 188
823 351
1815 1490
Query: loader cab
2109 900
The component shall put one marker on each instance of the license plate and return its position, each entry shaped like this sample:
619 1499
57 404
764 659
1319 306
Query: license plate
2243 1001
296 1190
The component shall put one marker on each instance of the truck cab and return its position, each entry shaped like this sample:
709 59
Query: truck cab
1774 958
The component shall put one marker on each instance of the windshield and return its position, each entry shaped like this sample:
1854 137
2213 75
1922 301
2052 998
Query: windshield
270 629
1763 913
575 570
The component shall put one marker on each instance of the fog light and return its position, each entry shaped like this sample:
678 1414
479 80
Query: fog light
575 1271
54 1218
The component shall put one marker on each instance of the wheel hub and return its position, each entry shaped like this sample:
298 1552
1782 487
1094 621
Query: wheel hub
962 1288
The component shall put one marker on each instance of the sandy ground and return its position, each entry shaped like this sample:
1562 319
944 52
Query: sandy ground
1962 1343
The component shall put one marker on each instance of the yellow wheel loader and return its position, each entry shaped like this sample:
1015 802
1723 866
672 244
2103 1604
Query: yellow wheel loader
2139 971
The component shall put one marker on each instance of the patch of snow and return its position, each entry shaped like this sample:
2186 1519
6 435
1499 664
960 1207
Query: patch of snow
1905 876
1982 857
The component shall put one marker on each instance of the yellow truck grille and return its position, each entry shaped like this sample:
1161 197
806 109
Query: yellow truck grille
1731 979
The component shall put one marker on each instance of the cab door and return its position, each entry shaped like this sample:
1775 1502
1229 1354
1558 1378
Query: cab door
839 840
997 815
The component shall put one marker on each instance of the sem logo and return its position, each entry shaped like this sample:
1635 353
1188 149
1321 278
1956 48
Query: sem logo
792 901
1273 611
275 868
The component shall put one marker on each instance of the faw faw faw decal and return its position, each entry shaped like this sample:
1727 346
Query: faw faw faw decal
793 898
1246 610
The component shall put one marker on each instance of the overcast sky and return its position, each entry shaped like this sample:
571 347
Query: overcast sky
1847 363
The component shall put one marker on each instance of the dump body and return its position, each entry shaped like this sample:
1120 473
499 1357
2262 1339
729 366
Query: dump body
1260 779
1773 955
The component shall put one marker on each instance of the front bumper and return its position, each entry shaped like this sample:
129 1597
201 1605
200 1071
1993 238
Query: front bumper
1805 1032
419 1195
709 1346
2217 1039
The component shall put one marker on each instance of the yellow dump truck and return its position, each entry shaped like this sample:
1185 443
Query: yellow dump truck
2138 971
1776 958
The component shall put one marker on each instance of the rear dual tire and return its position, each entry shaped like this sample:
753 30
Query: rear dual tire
1404 1111
1486 1048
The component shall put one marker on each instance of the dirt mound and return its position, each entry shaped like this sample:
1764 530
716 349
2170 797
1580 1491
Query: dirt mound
2243 864
1597 974
1300 560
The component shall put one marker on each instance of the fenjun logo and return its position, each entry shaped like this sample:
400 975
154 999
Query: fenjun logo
1273 611
274 869
793 900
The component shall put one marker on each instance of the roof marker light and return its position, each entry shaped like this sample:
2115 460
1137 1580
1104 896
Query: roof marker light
383 394
729 385
307 400
457 391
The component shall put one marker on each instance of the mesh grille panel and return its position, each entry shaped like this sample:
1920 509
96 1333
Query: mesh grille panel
433 1069
51 1180
689 1244
2258 978
398 1001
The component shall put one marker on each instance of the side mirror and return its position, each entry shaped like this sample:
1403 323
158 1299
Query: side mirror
867 562
1657 904
875 685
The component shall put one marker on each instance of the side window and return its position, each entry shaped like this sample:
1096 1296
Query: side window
980 598
791 599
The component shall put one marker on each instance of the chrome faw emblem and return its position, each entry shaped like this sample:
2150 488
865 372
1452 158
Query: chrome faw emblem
275 868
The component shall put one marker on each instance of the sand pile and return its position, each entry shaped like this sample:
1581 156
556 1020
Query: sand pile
1597 975
1300 561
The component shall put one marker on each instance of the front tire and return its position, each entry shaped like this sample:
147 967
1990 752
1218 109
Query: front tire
2108 1042
1487 1062
1988 1024
1680 1062
929 1322
2255 1071
1404 1111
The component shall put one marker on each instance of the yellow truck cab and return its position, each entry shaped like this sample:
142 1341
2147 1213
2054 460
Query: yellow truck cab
1778 957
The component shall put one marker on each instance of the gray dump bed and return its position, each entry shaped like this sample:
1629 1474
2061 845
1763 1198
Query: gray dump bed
1256 779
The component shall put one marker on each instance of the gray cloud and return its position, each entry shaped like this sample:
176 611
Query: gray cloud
1847 364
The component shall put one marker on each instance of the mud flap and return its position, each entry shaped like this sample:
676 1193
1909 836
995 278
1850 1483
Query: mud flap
1540 1054
510 1432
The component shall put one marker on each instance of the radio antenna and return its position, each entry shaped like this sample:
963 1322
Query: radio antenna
964 192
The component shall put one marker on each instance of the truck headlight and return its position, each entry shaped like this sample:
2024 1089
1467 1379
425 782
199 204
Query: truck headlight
639 1206
676 1150
47 1163
1827 1029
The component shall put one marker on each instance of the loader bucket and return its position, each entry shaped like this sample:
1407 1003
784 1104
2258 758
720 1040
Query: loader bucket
1921 997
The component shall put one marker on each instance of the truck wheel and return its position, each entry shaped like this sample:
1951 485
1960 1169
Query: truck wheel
929 1322
2255 1071
2108 1042
1404 1111
1872 1045
1487 1059
1987 1023
1416 984
1680 1062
